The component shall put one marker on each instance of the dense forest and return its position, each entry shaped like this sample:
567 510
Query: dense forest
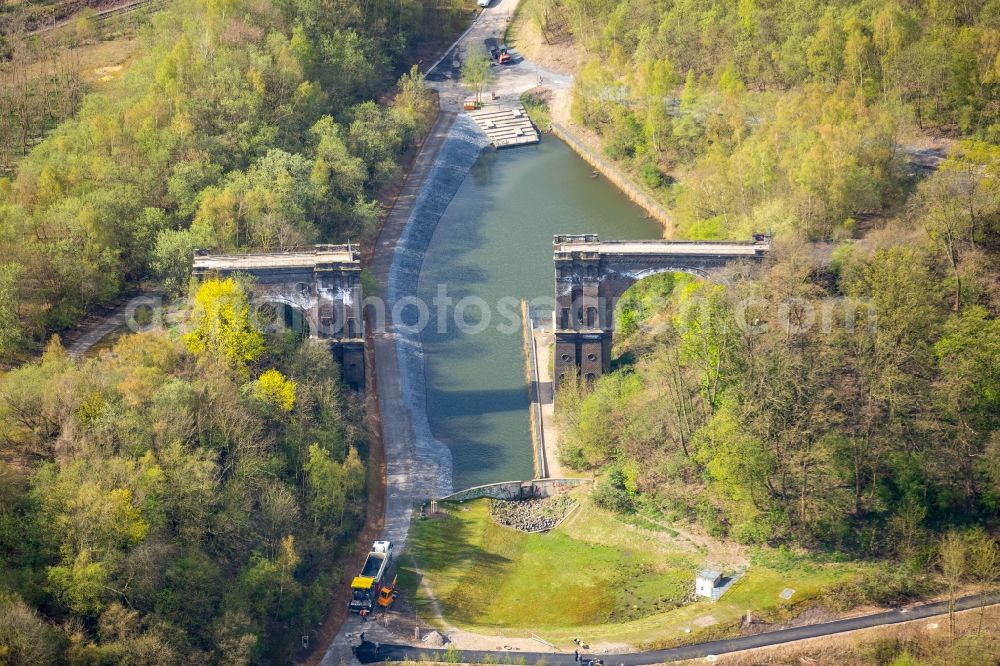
185 496
189 495
846 394
244 124
783 116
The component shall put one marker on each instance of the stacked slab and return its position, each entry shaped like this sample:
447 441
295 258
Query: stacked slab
506 125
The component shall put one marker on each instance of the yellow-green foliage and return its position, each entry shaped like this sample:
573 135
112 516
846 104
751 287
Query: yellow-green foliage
332 484
221 134
744 410
778 116
806 167
275 389
220 323
153 481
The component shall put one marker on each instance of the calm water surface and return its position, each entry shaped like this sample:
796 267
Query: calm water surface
495 241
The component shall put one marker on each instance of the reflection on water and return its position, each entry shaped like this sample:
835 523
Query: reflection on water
494 242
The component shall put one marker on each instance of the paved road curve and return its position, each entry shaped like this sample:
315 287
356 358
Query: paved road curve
366 653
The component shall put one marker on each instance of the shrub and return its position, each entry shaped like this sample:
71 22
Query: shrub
711 519
611 493
572 457
651 176
881 586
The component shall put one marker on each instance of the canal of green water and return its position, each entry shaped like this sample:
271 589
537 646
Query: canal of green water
494 243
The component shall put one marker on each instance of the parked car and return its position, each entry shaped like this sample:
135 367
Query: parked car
483 3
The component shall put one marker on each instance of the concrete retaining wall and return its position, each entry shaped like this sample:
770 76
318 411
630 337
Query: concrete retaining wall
615 175
516 490
535 408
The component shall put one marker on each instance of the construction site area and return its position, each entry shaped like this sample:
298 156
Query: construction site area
470 579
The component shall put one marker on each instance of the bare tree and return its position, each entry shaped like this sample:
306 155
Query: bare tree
984 563
945 219
40 85
953 562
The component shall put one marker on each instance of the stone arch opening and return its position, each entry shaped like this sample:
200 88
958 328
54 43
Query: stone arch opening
591 276
314 292
652 287
276 315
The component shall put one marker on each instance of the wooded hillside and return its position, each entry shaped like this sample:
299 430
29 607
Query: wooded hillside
845 395
245 125
176 500
185 497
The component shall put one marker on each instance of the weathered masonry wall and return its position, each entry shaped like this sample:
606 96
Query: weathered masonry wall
321 285
591 275
516 490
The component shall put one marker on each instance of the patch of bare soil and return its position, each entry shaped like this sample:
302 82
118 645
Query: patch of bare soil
552 49
542 94
812 615
724 553
928 138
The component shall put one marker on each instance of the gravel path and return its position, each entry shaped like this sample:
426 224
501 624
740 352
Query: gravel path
96 327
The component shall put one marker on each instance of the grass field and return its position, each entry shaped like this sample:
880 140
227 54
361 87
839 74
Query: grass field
595 576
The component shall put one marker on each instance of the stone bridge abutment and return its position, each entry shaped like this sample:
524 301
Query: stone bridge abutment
321 285
591 275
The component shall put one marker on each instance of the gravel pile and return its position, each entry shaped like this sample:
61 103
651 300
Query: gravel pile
531 515
435 639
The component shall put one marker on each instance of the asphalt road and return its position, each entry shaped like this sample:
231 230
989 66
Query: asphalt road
366 653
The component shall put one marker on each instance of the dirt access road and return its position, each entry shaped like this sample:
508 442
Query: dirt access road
509 80
409 479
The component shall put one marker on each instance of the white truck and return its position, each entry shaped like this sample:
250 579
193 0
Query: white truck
365 586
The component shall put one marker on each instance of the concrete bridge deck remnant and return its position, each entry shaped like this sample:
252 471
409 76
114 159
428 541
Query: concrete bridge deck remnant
506 125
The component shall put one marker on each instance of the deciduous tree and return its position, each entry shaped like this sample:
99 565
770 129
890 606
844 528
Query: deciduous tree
220 323
476 72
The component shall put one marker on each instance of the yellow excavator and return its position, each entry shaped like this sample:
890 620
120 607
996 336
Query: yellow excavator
387 594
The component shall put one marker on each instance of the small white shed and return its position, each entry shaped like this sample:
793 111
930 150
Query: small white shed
706 584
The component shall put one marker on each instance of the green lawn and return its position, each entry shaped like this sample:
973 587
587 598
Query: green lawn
484 574
594 576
